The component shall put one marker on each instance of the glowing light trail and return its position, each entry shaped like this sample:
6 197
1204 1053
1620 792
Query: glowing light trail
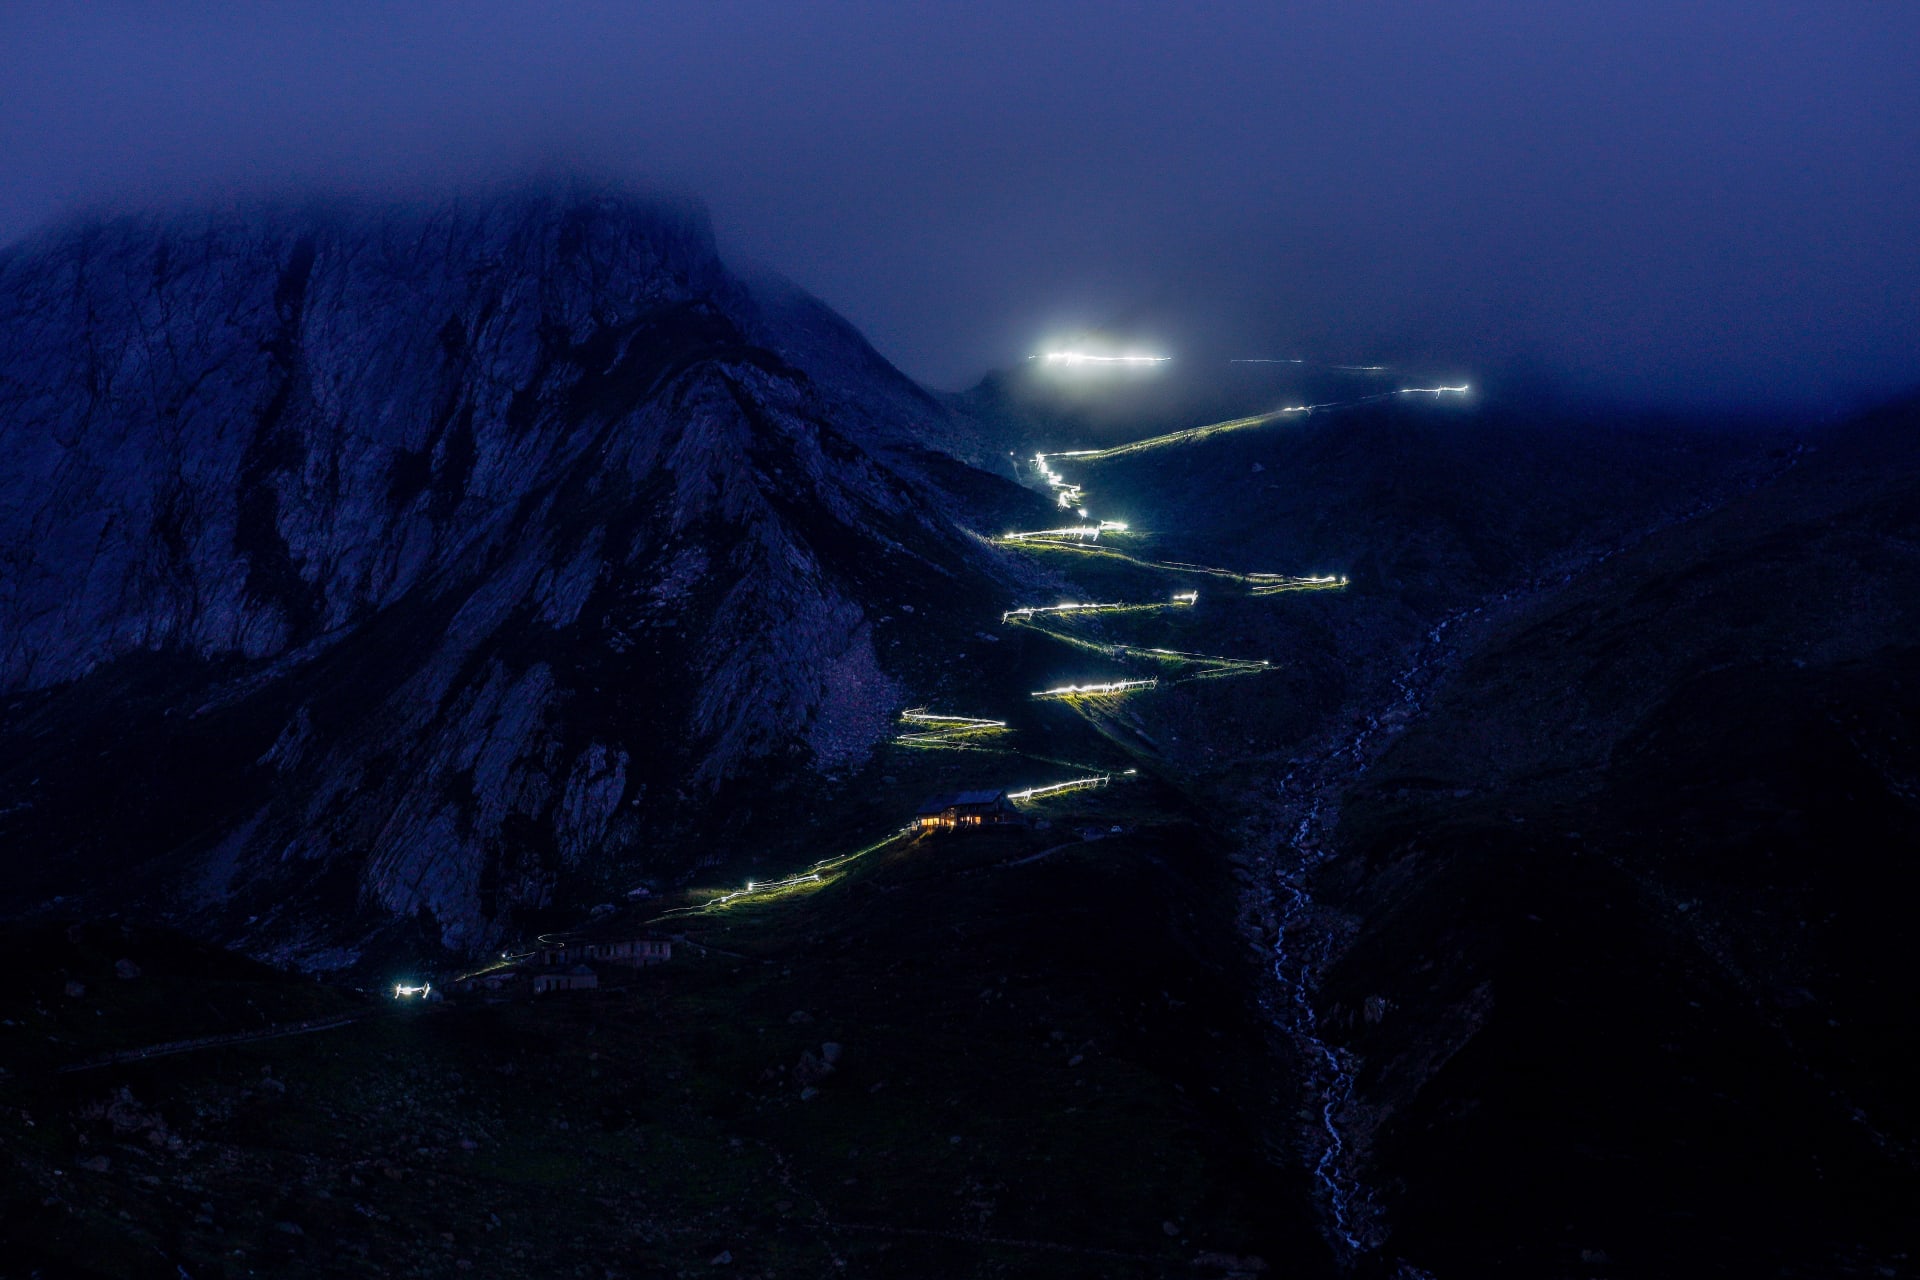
1192 434
1106 689
1274 584
1197 659
1081 357
1342 368
1161 441
1184 600
1073 533
1259 584
1067 493
954 732
1060 788
1210 666
818 876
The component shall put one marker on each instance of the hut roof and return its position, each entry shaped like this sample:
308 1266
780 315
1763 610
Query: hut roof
958 799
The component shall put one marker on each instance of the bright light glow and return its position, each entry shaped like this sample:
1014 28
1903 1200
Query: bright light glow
1462 389
1068 495
1178 655
1099 690
401 991
1057 481
822 873
1273 584
955 732
1082 357
1073 533
1057 788
1202 666
1259 584
920 715
1028 612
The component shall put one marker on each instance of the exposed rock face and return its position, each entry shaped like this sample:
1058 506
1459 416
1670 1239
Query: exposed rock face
479 538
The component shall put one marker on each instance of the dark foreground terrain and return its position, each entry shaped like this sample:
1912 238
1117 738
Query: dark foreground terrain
1044 1071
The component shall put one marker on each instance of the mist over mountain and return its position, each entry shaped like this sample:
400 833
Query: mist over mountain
1691 207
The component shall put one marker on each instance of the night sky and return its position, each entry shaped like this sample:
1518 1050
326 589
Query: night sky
1687 205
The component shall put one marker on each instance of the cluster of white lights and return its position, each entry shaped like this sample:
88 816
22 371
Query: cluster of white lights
1180 655
1030 610
1183 600
1074 533
1083 357
920 715
1273 584
1056 788
1067 492
946 731
770 886
1096 690
401 991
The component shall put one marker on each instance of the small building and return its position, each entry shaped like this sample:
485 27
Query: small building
578 978
636 952
963 810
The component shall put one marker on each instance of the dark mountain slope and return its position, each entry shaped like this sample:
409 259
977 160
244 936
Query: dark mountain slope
1628 971
416 560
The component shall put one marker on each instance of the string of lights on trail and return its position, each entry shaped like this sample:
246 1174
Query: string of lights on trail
1205 664
927 729
1070 496
1257 584
932 730
1085 540
825 872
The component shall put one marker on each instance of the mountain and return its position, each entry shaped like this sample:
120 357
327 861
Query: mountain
370 562
1526 896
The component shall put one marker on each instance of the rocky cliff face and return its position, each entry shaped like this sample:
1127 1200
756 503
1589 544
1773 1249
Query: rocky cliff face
405 558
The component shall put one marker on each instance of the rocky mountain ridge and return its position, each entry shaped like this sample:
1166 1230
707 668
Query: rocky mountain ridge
403 560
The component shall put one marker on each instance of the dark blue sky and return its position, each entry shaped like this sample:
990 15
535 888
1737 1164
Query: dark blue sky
1683 203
